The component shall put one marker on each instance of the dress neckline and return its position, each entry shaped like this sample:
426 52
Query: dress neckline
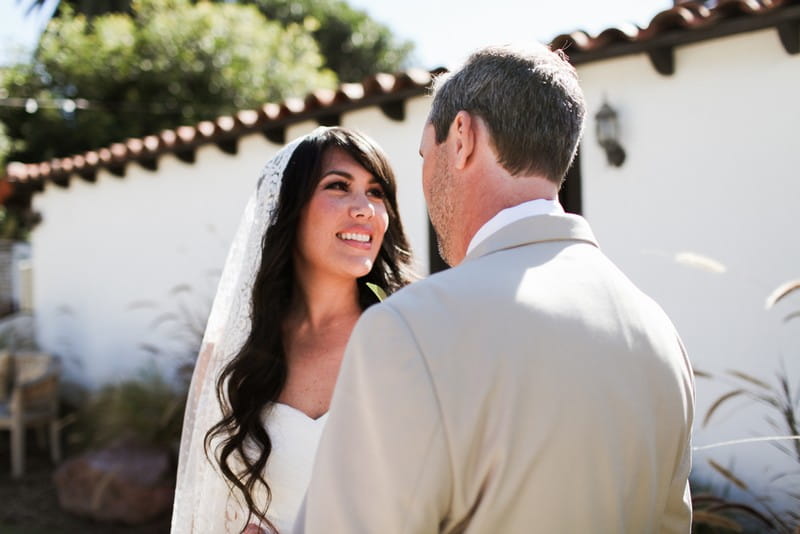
303 415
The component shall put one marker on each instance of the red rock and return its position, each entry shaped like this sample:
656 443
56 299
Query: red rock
129 484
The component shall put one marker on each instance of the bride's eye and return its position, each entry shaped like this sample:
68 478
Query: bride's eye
377 192
339 185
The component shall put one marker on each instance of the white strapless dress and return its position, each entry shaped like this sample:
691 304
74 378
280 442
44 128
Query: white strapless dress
295 437
212 508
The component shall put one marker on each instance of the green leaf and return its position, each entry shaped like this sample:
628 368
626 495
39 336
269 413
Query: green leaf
378 290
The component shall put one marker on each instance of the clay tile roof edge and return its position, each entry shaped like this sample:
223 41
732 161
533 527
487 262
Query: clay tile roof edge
347 96
690 18
683 23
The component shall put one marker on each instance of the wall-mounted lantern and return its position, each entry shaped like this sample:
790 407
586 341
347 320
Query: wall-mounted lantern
607 129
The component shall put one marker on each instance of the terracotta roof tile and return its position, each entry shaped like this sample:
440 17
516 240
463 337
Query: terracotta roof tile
105 155
623 33
687 18
247 117
316 104
293 106
378 84
271 111
421 77
321 98
206 129
186 134
118 151
135 146
353 91
736 7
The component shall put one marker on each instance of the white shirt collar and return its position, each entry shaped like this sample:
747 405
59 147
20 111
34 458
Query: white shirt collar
503 218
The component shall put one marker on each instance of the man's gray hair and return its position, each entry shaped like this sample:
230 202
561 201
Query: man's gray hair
530 101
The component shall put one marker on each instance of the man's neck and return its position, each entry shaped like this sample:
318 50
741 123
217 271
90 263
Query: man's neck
507 216
494 193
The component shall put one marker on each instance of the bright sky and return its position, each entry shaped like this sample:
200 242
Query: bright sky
17 31
445 31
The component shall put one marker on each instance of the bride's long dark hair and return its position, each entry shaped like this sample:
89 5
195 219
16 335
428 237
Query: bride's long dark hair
256 376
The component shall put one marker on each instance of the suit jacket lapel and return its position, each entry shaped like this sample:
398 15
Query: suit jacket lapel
536 229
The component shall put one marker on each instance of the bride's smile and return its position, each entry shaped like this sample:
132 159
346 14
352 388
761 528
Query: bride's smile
342 227
355 238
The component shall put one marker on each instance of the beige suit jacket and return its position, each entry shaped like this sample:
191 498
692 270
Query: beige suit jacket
533 388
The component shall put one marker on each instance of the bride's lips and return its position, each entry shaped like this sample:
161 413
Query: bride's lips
356 237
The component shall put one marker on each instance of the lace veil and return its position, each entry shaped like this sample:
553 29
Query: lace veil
203 501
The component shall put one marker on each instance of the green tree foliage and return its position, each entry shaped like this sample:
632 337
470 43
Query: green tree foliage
354 45
5 145
90 8
170 62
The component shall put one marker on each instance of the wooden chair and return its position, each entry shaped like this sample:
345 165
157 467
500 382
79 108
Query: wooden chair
30 382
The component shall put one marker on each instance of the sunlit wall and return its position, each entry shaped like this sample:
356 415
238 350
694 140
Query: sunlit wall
703 215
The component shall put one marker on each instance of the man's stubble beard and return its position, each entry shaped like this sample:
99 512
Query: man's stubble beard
442 208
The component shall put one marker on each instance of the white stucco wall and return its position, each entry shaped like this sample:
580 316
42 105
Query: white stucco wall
713 168
105 249
109 257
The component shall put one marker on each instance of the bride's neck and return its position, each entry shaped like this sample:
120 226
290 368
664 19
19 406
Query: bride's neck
317 303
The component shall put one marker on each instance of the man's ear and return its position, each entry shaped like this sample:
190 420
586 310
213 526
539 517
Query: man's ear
463 131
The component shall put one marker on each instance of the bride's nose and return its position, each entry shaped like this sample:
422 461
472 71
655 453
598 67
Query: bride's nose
362 207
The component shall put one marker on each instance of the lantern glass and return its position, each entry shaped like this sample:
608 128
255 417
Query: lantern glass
607 125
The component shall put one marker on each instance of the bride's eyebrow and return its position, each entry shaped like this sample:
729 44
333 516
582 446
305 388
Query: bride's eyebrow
344 174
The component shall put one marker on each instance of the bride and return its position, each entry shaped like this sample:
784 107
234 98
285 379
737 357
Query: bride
322 224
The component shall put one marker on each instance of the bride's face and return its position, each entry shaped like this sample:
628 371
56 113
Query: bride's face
342 226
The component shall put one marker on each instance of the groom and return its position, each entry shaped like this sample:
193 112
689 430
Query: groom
530 388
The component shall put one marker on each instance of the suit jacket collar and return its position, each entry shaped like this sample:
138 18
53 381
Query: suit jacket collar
536 229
